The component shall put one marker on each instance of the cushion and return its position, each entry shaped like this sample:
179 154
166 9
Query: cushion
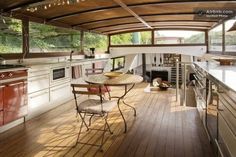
94 106
103 89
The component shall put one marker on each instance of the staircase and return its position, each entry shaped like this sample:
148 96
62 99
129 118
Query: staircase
173 75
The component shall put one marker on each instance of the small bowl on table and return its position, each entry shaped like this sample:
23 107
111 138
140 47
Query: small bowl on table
111 75
164 85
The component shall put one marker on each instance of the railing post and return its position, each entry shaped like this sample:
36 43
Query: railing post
177 80
185 97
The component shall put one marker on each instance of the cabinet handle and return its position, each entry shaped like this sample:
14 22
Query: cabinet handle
218 146
2 86
39 78
13 84
58 88
35 96
36 71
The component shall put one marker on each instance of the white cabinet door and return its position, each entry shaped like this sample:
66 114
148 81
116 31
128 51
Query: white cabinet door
38 102
38 83
60 93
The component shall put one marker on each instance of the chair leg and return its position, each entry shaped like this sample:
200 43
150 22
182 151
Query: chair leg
80 129
82 118
90 119
109 94
108 126
103 135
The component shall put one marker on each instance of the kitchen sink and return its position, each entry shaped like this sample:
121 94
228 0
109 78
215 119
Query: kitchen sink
9 66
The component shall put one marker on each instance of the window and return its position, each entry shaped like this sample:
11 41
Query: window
45 38
230 37
179 37
215 39
97 41
118 63
135 38
10 35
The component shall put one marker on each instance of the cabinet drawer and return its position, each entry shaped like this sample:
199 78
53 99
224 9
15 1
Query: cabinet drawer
227 114
38 100
38 83
39 72
228 137
1 118
61 92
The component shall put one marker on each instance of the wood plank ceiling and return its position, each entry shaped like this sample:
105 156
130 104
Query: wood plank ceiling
116 16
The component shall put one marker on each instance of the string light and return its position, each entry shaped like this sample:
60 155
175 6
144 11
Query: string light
52 3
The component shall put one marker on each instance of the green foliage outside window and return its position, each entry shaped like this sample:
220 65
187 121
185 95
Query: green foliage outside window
46 38
97 41
10 35
135 38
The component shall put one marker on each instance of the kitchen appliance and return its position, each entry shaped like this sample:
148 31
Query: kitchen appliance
13 94
59 73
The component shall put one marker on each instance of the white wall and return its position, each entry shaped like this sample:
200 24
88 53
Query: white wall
185 50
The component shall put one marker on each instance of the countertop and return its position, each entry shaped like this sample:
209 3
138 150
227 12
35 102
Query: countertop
67 62
74 62
226 75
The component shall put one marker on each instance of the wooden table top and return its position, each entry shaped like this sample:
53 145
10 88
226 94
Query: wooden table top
125 79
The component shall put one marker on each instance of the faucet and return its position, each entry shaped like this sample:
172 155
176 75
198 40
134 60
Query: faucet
2 60
71 55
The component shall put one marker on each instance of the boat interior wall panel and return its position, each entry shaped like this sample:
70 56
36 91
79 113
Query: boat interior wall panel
184 50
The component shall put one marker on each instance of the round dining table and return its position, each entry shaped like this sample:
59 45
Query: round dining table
128 81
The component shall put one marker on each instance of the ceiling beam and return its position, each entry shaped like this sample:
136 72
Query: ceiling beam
125 7
158 26
146 4
166 21
22 5
127 30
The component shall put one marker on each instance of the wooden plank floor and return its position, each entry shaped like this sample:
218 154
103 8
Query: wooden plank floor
162 128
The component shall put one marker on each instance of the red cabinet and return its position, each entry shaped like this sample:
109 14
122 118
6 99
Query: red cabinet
1 97
13 96
1 105
15 101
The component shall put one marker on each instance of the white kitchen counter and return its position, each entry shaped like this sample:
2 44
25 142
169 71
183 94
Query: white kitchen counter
225 75
55 63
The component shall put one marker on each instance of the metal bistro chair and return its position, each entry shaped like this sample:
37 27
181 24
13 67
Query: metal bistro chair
94 71
92 107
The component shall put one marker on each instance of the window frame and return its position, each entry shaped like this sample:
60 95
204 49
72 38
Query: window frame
131 45
223 42
182 44
113 63
233 53
160 45
223 52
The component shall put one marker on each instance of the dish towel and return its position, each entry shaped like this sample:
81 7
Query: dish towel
76 72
